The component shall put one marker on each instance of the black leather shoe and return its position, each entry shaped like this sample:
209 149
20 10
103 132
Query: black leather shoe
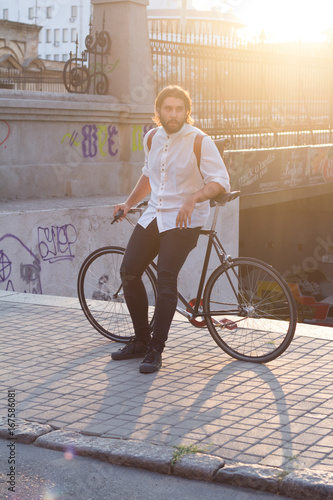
151 362
134 349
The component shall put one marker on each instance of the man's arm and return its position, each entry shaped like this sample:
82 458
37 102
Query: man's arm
141 190
210 190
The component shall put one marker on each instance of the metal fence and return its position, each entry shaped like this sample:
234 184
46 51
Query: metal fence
259 94
30 80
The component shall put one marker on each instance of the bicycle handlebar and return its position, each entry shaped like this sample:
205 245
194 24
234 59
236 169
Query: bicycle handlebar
117 216
222 144
131 211
220 200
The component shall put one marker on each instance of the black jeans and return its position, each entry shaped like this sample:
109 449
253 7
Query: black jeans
172 248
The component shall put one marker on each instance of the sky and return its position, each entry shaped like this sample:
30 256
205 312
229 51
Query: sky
282 20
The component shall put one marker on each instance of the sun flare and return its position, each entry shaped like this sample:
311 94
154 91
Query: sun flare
280 20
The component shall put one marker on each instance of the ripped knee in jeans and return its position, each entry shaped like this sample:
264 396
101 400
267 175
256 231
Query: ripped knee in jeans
127 278
167 285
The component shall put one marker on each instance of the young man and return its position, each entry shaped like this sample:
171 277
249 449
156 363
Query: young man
170 226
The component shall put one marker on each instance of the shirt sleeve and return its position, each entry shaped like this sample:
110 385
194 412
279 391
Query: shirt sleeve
212 166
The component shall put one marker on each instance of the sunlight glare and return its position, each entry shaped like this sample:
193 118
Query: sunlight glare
281 20
286 20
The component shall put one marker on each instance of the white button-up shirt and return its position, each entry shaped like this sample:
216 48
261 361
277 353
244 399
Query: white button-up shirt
173 173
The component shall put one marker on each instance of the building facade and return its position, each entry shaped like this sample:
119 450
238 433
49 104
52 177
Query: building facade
62 22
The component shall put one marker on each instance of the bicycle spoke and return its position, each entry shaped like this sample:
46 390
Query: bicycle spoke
252 314
101 297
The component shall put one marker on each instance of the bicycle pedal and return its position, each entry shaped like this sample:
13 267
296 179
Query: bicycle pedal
227 323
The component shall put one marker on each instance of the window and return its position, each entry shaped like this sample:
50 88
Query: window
48 36
65 57
48 56
73 35
56 57
31 13
74 11
56 37
5 14
49 12
65 35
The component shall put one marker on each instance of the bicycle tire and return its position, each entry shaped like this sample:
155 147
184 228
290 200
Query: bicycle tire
101 296
252 313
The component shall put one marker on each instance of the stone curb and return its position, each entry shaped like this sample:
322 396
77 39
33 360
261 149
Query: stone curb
298 484
308 485
250 476
24 432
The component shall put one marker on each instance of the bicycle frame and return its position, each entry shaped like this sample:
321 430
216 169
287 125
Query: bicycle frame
192 311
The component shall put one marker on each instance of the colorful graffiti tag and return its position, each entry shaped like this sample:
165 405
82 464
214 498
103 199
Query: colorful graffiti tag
94 140
138 133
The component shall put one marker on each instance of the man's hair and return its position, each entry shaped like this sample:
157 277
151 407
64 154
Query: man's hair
179 93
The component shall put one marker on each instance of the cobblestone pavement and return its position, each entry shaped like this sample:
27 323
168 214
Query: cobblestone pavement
276 415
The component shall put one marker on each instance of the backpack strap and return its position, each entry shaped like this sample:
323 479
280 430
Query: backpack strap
197 146
150 137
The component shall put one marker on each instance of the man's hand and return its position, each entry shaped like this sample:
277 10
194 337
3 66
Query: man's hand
210 190
121 206
185 213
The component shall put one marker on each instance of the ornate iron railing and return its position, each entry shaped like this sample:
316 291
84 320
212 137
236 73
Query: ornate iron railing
83 75
260 94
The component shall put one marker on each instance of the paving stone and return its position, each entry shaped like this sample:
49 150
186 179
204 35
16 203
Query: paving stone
254 476
245 412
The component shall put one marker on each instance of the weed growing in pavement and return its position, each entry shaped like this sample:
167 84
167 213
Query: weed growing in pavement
288 470
182 450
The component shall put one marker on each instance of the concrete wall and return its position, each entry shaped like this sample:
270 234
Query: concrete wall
57 151
69 144
44 242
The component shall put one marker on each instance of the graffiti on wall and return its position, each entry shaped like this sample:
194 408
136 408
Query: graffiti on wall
312 286
100 140
107 68
23 275
94 140
55 243
261 170
138 133
21 269
4 132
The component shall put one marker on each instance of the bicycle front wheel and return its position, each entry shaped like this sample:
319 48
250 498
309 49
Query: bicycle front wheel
251 310
101 294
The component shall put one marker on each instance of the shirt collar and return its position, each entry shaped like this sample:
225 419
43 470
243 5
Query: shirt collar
176 134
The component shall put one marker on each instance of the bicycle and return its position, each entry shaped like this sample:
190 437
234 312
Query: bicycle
246 305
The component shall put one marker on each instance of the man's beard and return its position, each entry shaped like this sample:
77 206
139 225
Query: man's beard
171 126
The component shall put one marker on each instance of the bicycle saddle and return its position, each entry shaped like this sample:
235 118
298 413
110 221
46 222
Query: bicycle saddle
222 144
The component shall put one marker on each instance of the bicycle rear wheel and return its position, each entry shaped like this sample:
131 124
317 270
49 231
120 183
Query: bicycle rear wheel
252 312
101 295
